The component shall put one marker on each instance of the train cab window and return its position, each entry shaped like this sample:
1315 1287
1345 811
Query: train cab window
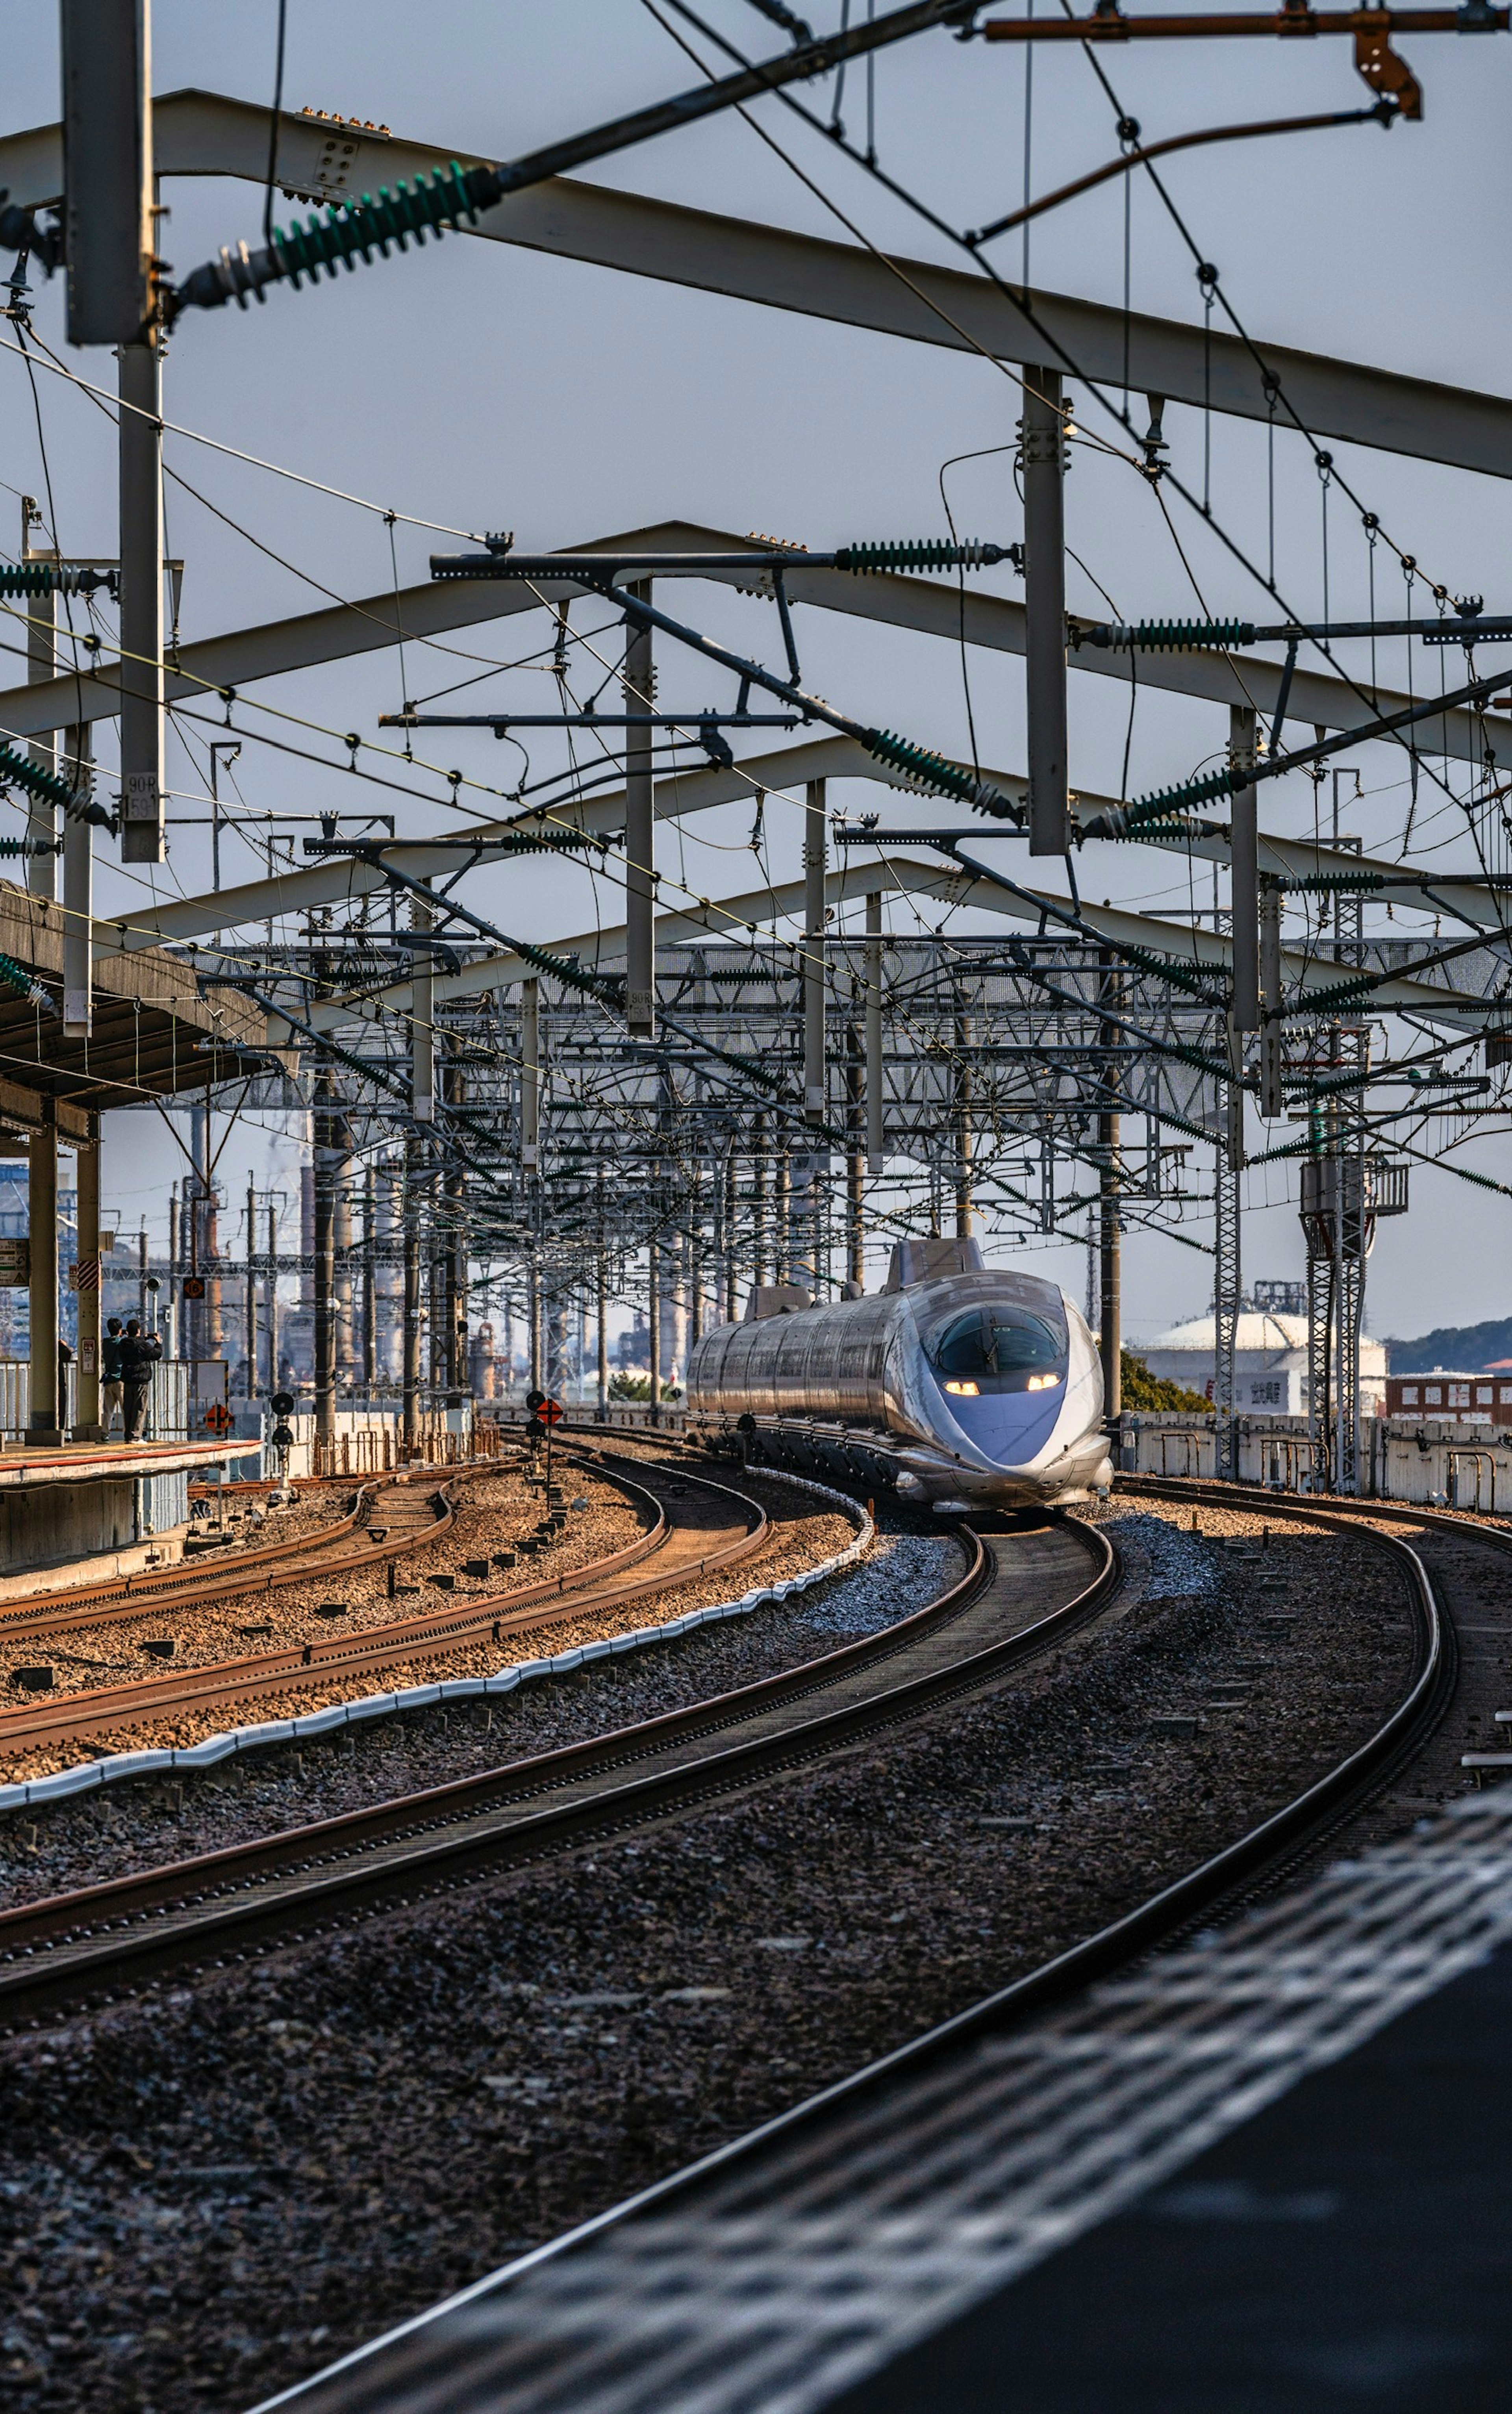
999 1348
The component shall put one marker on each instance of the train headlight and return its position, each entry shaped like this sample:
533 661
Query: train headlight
1042 1382
964 1391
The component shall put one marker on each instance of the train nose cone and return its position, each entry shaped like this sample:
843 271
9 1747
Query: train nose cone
1009 1427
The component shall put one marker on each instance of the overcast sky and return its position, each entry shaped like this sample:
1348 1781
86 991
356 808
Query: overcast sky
480 387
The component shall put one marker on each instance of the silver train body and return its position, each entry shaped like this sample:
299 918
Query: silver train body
966 1389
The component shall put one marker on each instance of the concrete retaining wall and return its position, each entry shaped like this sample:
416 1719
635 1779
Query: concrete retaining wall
1435 1463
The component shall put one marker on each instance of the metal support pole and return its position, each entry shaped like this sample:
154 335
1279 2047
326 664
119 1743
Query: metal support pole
731 1263
758 1201
602 1273
1244 876
78 907
42 1206
963 1128
270 1297
141 603
533 1312
653 1318
813 954
875 1103
1226 1292
410 1377
41 664
456 1290
1110 1242
251 1317
370 1354
1044 453
530 1075
344 1285
640 833
86 1183
1272 1029
421 1020
855 1190
325 1263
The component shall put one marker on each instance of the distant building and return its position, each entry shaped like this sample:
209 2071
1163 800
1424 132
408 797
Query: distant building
1269 1363
1460 1399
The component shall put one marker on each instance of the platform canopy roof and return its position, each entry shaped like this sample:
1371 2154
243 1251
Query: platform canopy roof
155 1030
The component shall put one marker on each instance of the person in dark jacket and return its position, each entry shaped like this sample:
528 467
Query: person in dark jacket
113 1404
139 1353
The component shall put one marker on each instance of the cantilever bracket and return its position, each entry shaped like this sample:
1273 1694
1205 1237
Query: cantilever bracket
1384 70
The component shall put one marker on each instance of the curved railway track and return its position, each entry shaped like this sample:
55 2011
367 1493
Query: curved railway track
1013 1600
681 1548
860 2221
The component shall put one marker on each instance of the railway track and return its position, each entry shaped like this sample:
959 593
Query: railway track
1016 1598
681 1548
796 2261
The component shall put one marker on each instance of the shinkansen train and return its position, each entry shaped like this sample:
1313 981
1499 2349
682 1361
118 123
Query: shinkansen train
960 1385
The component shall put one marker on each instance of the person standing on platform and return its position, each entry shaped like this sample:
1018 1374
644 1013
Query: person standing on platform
111 1400
139 1353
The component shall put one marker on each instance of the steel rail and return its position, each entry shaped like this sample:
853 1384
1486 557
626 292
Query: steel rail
225 1584
136 1593
336 1871
1201 1890
100 1710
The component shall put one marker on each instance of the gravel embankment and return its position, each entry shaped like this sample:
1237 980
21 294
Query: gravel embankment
282 1601
216 2191
136 1826
797 1541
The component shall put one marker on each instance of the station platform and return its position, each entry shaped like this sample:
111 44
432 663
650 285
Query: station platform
1262 2173
74 1503
25 1467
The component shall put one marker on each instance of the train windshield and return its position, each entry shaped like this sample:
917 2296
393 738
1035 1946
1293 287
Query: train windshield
999 1349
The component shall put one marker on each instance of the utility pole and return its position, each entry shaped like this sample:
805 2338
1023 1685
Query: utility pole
963 1128
1044 453
602 1304
410 1377
856 1232
325 1259
78 902
109 197
1244 876
252 1294
653 1318
41 664
1272 1028
422 1018
813 954
370 1282
639 830
141 603
1110 1244
875 1104
271 1297
530 1078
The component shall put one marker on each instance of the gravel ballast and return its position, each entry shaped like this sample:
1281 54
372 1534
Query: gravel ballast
225 2186
798 1539
111 1833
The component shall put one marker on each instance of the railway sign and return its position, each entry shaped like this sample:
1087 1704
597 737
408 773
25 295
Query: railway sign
535 1402
194 1287
550 1413
218 1418
282 1404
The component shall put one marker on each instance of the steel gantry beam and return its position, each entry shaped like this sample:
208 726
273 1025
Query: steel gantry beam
743 916
927 607
785 770
331 159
